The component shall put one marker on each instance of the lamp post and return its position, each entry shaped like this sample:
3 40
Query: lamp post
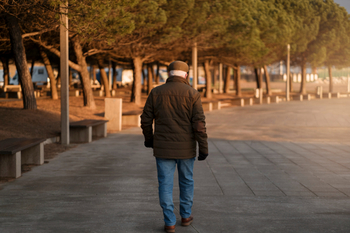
288 73
64 72
220 79
194 66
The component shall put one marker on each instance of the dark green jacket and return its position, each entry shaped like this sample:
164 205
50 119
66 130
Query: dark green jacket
177 111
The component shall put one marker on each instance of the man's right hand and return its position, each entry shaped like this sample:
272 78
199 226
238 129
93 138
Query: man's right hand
202 156
149 144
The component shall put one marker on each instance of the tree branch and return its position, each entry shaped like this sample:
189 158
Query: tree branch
94 51
38 33
57 53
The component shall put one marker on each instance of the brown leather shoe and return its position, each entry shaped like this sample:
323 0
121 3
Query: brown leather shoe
186 221
169 229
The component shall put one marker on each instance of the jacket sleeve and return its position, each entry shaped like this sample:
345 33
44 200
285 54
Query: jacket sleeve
198 125
147 119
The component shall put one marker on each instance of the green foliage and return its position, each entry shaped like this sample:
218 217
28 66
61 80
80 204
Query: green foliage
244 32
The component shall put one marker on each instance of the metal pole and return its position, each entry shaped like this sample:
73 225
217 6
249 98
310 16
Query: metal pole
194 66
64 72
220 79
110 74
288 73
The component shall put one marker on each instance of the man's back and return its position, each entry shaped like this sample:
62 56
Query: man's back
175 106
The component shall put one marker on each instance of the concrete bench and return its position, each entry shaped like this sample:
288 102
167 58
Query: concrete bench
331 95
277 99
131 118
298 97
83 131
344 95
211 105
243 101
16 89
15 152
101 93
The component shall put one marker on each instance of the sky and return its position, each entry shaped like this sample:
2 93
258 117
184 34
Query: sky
344 3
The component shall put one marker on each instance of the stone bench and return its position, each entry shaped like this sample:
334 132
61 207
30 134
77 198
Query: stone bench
243 101
210 105
16 89
331 95
83 131
14 152
131 118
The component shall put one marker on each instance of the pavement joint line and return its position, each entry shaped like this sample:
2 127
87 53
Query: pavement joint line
327 158
333 173
216 180
318 162
235 169
293 178
266 175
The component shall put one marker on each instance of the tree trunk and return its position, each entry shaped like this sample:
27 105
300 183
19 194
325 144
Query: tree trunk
48 66
290 82
303 79
32 68
267 80
132 99
215 75
144 83
5 65
18 50
137 80
115 73
94 74
150 79
104 79
58 80
157 75
208 80
257 78
227 79
70 76
84 73
330 79
238 81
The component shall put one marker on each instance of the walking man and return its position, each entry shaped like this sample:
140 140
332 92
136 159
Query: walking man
176 109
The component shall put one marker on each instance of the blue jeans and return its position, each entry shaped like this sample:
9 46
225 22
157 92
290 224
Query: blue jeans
166 169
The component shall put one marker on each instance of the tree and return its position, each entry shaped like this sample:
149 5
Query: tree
47 63
104 79
29 101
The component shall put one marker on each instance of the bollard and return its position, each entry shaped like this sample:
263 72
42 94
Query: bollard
251 101
113 112
320 91
242 102
257 92
277 99
268 100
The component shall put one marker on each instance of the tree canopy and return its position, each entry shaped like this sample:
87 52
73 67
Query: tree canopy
234 32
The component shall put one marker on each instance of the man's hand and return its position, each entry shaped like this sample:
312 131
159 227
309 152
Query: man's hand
149 144
202 156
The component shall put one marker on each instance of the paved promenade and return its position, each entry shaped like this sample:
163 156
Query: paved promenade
271 168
